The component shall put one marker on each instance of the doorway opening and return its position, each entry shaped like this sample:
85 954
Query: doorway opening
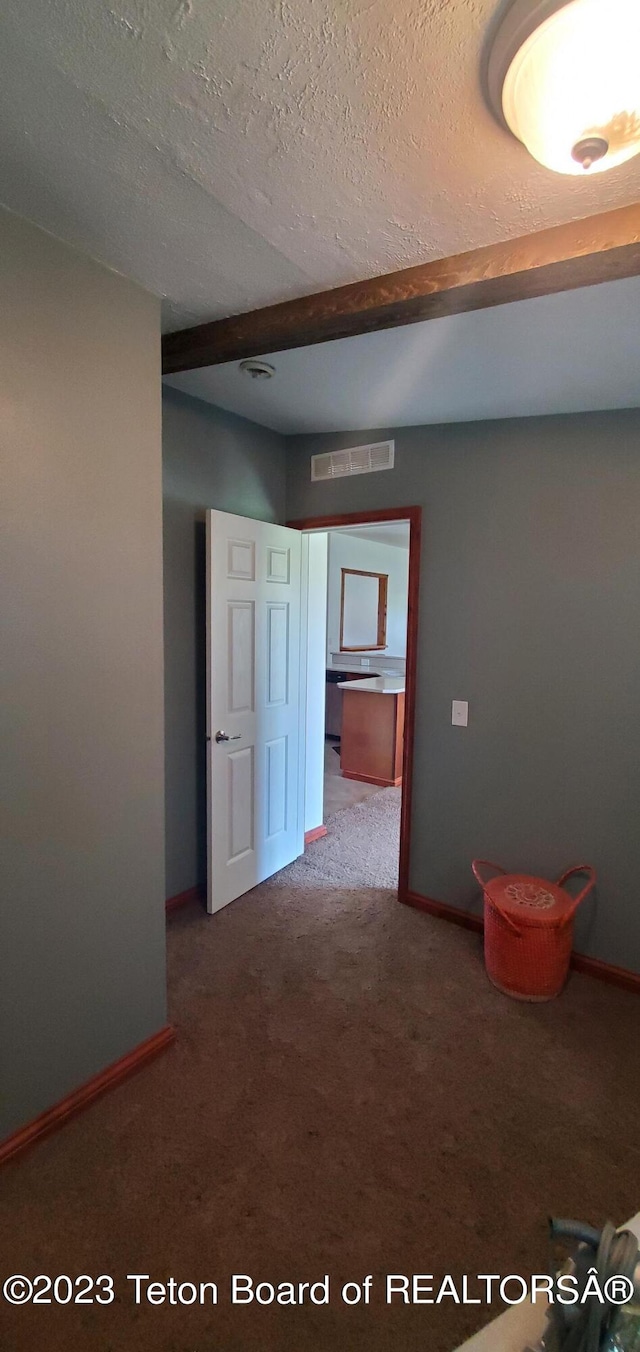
270 615
360 593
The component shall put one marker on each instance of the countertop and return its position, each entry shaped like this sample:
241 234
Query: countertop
378 685
376 669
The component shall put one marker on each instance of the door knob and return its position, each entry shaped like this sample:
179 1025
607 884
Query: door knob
224 737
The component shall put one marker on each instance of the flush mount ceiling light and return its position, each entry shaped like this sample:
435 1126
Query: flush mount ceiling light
564 77
258 370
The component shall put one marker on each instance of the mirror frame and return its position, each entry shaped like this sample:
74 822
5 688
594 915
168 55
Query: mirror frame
381 634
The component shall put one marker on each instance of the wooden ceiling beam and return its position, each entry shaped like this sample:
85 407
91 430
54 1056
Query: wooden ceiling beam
600 248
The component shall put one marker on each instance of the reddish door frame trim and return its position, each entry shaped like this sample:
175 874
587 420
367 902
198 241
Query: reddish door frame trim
369 518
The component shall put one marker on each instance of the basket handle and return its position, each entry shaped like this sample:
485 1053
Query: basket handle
485 863
590 883
479 864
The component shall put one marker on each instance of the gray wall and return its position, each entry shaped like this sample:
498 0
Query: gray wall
530 609
82 971
211 459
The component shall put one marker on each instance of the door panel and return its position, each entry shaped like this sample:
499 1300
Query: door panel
241 629
241 789
276 787
253 656
277 653
241 559
278 564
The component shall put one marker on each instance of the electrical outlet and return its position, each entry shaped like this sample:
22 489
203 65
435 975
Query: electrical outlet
459 713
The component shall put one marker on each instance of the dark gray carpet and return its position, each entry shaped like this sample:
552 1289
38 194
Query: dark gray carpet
348 1095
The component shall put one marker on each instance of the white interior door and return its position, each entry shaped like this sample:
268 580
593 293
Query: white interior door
255 826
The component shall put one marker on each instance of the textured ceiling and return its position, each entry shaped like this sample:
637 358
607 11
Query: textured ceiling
568 353
231 153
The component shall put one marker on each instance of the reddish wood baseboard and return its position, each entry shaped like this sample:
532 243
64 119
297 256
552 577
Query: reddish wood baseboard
605 971
466 919
370 779
86 1094
602 971
183 899
315 833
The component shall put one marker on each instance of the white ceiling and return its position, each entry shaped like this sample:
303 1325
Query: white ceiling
387 533
231 154
576 351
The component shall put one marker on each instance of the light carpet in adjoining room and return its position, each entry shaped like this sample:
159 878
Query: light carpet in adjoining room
361 848
348 1095
340 792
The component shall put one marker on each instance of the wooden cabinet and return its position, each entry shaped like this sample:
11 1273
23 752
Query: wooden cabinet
371 745
333 702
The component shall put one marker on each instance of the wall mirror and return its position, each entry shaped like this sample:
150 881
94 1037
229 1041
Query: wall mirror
363 611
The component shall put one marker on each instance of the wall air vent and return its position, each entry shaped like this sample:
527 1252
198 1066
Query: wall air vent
355 460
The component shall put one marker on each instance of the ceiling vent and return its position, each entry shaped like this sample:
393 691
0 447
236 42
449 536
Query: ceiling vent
355 460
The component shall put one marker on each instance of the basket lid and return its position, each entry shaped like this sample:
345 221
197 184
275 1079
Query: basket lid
528 900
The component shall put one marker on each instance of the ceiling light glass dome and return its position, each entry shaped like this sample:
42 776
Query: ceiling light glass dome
570 91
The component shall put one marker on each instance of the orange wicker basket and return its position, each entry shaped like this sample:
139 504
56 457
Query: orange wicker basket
528 929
